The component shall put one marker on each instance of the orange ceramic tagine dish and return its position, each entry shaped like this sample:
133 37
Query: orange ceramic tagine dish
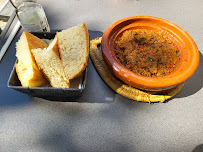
187 64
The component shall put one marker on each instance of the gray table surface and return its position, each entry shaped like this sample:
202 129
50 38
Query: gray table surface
102 120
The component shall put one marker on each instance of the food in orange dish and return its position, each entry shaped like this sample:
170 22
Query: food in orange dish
180 71
146 52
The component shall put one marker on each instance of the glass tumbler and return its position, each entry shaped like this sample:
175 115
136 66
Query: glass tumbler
32 17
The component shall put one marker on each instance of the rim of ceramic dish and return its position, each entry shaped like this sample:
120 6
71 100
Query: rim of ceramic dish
189 53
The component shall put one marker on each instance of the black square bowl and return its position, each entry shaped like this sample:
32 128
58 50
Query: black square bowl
48 92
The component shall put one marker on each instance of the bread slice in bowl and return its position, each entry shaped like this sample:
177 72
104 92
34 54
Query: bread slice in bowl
26 68
50 64
73 46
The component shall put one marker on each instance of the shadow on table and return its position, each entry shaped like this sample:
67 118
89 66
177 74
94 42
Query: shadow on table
64 140
194 83
9 97
58 142
199 148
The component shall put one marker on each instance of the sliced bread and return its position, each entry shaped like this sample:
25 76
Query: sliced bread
49 63
26 68
73 46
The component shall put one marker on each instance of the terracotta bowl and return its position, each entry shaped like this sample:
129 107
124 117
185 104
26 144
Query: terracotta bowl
189 53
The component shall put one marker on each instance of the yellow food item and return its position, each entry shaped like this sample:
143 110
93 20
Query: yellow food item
65 58
49 62
26 68
74 49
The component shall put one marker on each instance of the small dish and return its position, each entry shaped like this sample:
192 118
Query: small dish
47 92
189 59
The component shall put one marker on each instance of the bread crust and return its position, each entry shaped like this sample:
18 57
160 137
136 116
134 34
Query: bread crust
86 54
87 50
37 78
